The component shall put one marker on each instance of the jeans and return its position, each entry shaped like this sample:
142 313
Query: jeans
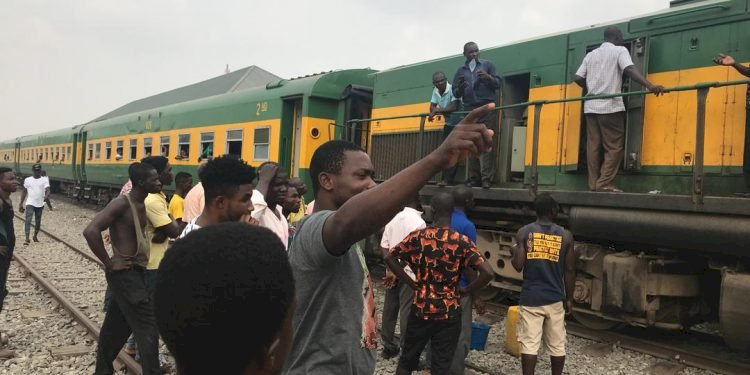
131 310
482 169
149 278
37 213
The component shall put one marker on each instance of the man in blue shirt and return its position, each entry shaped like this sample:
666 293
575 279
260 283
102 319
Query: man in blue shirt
444 103
476 83
463 199
544 253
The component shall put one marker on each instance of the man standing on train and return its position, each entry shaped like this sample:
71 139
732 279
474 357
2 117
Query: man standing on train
601 74
727 60
476 83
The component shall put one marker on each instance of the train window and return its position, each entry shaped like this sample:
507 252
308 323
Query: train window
147 146
68 153
260 144
133 149
57 153
91 151
234 143
183 143
119 150
164 144
46 154
108 150
62 153
207 145
98 152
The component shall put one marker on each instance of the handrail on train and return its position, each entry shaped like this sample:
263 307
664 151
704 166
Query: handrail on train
702 89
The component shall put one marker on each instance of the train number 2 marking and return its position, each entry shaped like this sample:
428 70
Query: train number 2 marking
261 107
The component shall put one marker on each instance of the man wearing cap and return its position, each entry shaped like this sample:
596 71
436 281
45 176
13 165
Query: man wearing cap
36 189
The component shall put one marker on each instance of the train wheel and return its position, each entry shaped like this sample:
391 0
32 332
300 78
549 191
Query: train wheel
594 322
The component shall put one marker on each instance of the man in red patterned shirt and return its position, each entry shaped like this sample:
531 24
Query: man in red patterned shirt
438 255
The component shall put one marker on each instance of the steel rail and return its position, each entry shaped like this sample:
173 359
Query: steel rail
92 328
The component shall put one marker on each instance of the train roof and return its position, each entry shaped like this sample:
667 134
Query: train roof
325 85
251 76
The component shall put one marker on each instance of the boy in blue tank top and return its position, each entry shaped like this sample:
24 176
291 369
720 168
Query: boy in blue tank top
544 252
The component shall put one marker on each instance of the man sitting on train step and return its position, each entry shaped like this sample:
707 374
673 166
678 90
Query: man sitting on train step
544 252
601 74
438 255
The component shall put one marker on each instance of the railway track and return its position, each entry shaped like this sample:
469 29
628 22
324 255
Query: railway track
656 348
36 267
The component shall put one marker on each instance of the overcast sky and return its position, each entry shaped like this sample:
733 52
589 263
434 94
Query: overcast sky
64 63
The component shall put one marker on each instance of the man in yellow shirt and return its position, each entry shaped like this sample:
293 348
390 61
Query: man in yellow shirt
183 183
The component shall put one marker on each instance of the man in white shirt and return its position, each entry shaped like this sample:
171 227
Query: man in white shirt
601 74
36 189
398 295
267 198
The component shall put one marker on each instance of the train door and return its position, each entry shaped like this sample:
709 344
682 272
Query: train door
512 150
291 135
357 105
17 157
634 111
79 157
634 107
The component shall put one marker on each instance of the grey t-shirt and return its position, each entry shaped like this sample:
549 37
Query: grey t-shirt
335 323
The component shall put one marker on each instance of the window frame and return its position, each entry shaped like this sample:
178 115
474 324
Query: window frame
162 144
212 142
241 140
267 144
150 145
181 143
133 149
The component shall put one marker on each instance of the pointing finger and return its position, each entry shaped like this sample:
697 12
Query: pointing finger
476 114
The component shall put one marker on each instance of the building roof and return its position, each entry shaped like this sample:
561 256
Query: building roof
245 78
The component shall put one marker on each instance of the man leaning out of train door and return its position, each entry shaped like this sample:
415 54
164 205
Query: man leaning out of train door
601 74
544 252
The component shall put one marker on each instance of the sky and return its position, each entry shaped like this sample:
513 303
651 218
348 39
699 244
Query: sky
63 63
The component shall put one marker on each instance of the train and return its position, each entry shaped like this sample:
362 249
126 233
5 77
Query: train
671 252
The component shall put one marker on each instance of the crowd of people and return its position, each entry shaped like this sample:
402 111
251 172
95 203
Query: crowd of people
238 275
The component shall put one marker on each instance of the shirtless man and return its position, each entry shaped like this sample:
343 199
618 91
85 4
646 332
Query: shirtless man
125 217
